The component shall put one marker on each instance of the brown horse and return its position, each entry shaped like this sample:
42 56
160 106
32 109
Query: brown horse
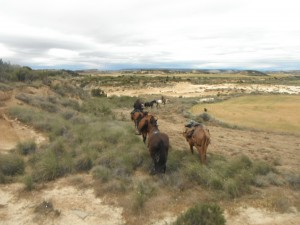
137 116
143 126
199 137
158 145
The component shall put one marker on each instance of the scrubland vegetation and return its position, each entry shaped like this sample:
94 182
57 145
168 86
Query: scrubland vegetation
88 134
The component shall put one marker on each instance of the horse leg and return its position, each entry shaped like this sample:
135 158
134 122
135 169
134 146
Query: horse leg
136 128
191 148
203 155
144 137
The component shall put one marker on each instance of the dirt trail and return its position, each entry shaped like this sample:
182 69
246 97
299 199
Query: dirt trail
13 131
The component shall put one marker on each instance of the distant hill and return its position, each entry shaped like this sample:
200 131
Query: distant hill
182 71
253 73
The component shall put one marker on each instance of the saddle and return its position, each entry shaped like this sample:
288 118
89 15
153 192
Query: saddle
192 123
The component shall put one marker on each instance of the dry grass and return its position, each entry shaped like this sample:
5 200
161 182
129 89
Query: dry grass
279 113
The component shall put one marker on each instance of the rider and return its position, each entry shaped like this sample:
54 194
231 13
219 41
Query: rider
138 105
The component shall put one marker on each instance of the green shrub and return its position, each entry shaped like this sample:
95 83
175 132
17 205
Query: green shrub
11 164
202 214
216 183
142 193
2 178
102 173
204 117
262 168
237 165
260 181
52 163
275 179
197 173
232 188
293 180
98 93
29 183
26 147
83 163
68 115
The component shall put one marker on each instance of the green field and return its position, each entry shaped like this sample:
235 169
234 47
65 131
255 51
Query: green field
279 113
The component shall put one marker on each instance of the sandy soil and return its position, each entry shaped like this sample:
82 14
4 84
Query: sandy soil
185 89
80 206
69 205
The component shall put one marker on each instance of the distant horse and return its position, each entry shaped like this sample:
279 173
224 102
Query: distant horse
164 100
158 146
150 104
158 103
136 116
198 136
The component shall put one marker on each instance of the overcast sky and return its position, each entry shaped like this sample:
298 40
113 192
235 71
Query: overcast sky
120 34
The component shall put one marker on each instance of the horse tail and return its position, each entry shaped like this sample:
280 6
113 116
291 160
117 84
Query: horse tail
161 155
205 143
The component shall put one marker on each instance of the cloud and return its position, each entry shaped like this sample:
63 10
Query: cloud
111 34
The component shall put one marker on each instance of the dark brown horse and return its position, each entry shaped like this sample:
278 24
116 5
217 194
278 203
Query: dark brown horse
158 146
137 116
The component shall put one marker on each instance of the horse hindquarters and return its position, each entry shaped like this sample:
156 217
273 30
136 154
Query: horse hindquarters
158 148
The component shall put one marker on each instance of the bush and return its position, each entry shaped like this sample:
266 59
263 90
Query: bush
202 214
232 188
28 182
52 163
262 168
27 147
83 163
98 93
237 165
102 173
293 180
11 165
142 194
204 117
